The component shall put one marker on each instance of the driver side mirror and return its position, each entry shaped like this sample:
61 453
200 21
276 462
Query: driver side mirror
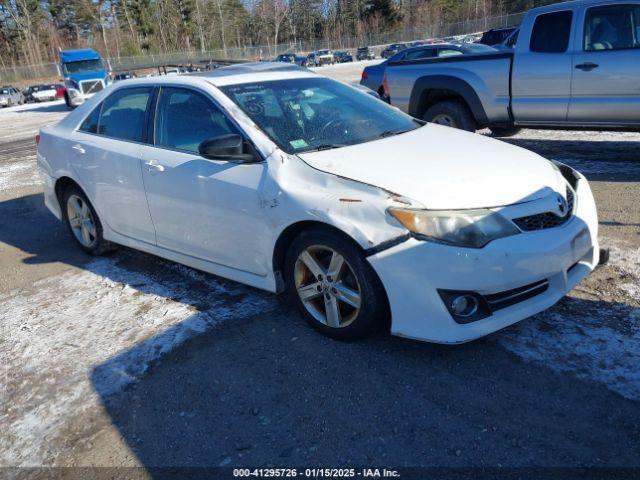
227 147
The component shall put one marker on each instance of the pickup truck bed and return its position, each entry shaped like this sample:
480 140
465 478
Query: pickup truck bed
482 81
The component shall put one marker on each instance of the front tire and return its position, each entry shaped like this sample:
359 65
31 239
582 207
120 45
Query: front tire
333 286
83 222
451 113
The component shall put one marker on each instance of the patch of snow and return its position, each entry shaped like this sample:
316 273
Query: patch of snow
578 336
73 340
19 174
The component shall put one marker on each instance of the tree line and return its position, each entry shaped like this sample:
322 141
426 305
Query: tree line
32 31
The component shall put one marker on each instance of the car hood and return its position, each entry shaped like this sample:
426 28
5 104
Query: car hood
444 168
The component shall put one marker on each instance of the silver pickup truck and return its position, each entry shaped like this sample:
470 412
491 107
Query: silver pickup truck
575 65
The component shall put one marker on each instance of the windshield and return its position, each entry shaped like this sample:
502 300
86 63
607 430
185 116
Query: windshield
306 114
4 91
83 66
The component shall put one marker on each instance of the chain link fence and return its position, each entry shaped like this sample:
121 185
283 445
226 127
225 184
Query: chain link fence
50 71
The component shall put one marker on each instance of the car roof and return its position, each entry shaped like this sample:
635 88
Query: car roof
233 74
569 5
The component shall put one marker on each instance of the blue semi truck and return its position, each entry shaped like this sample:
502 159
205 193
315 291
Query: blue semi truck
85 73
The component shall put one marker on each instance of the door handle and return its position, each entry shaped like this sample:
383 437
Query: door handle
79 149
587 66
152 166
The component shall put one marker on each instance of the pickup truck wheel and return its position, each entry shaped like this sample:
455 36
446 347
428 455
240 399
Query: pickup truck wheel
504 131
451 113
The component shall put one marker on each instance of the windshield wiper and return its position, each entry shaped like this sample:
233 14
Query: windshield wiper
329 146
391 133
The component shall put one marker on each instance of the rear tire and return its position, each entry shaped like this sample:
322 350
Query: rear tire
83 222
346 302
504 131
451 113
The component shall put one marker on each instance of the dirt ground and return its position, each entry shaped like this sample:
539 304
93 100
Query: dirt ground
129 360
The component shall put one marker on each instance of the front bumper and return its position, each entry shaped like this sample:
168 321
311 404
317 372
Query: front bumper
413 271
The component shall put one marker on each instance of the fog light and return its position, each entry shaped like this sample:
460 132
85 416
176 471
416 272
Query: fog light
464 305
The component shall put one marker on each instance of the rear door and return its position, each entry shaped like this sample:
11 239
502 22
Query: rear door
541 78
606 73
105 154
207 209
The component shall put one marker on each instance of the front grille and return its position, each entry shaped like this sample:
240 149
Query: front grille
91 86
545 220
507 298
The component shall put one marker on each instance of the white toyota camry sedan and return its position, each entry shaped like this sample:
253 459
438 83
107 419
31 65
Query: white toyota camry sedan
286 180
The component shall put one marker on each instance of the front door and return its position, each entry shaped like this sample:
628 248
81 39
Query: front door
606 74
202 208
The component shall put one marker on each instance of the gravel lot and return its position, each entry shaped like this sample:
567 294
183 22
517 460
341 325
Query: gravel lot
130 360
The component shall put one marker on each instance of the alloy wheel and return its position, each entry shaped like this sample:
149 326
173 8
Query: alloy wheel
81 221
327 286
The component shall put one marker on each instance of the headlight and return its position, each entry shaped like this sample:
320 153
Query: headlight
73 93
464 228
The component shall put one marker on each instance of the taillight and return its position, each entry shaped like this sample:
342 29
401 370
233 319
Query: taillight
385 86
364 75
37 139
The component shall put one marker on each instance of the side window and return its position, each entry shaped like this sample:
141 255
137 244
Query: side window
90 124
124 114
184 119
447 52
551 32
422 53
612 27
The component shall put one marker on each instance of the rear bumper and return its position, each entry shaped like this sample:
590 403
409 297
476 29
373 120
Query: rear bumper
414 271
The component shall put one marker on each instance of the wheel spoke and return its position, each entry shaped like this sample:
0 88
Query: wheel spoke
347 295
77 207
88 224
335 266
84 210
85 235
309 292
332 312
311 263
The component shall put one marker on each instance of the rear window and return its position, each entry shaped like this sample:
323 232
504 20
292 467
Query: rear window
551 32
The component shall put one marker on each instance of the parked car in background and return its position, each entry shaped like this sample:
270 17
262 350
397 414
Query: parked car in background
291 58
372 75
365 53
325 57
45 93
10 96
123 76
311 60
392 49
343 56
60 90
575 65
509 43
28 93
284 182
496 36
